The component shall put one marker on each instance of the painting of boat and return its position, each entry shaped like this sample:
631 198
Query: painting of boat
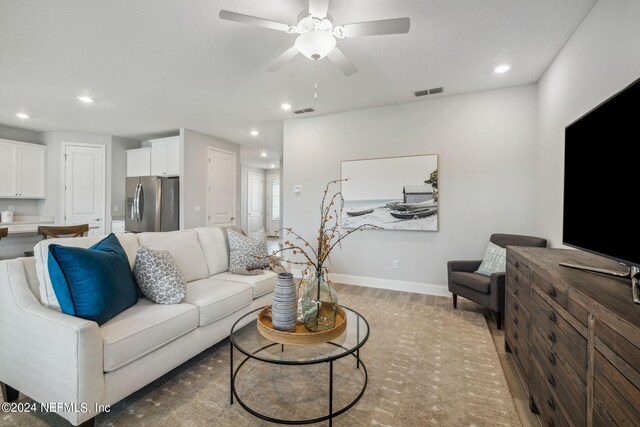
402 206
413 214
360 213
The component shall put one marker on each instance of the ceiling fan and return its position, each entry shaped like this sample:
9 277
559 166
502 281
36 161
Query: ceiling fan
317 34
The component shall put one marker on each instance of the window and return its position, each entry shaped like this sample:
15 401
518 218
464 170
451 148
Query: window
275 200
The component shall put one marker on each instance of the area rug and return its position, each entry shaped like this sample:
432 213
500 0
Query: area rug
427 366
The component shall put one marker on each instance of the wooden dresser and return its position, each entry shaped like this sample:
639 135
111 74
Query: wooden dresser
574 338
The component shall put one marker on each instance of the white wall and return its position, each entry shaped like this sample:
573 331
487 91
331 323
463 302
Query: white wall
486 142
600 59
193 176
244 194
119 147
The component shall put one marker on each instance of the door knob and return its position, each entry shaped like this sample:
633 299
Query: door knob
232 218
96 219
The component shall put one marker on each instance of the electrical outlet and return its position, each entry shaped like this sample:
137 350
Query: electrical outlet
116 208
395 265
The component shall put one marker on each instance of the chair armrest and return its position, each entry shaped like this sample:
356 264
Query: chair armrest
48 355
497 291
464 266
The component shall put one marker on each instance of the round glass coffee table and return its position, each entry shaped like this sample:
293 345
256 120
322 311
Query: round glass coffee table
264 354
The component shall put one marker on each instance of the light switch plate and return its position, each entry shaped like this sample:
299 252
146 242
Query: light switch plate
196 209
297 189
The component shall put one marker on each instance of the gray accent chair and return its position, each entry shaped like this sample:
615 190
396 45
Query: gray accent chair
488 291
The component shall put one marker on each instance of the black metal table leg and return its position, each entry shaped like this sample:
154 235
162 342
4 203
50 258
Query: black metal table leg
330 393
231 370
358 340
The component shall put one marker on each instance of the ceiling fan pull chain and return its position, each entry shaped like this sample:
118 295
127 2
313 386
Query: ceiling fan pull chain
315 86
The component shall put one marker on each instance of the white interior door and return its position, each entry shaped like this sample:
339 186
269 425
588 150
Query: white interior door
273 204
255 202
221 178
85 187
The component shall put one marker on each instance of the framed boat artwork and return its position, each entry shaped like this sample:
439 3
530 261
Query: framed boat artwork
393 193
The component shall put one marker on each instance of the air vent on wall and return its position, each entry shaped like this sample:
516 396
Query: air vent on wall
431 91
304 110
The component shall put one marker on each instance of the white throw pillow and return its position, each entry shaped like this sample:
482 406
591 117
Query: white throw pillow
247 252
494 260
158 276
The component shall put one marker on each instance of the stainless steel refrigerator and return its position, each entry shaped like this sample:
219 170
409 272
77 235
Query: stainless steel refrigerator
153 204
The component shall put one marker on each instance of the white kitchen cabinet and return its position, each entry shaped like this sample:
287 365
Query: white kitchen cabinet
139 162
165 156
22 170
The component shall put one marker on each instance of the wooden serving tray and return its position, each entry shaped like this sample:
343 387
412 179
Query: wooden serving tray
300 335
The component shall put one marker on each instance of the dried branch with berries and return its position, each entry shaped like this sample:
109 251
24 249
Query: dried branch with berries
329 233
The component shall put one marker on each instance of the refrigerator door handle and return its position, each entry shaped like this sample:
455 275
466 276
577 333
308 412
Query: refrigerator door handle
140 203
136 197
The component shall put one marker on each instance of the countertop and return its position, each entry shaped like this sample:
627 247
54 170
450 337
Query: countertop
26 224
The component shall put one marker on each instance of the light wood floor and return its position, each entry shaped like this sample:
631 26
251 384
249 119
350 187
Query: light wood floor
518 392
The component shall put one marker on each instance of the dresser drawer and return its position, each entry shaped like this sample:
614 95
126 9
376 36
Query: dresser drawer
558 292
521 267
519 286
567 387
559 336
616 398
550 412
517 336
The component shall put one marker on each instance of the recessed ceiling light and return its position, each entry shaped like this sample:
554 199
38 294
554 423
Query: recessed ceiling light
255 133
286 106
22 115
263 154
273 166
85 99
502 68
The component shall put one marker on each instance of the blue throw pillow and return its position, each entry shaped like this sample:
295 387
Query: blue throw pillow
95 283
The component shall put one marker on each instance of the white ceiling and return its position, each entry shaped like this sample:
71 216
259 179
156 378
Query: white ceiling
155 66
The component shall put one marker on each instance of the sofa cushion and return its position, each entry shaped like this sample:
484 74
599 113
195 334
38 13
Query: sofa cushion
95 283
494 260
185 249
48 298
476 282
218 298
262 284
213 241
143 328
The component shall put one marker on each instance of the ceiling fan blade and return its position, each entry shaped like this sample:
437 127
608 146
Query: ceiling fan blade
337 57
375 28
252 20
282 59
318 8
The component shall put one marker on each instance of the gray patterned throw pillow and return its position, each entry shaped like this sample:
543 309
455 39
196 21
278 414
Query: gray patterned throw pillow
247 252
158 276
494 260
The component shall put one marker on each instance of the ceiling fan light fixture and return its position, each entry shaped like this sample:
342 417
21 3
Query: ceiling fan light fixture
315 44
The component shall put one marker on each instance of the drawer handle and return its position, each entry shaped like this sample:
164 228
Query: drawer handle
515 335
517 264
552 380
516 306
551 403
552 317
515 292
515 278
552 337
515 320
552 292
552 358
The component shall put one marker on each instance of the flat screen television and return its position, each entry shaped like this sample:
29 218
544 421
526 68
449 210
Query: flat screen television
602 179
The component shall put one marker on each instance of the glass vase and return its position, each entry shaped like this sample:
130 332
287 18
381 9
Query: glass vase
319 302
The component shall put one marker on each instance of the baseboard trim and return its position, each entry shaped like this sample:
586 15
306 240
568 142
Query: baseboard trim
394 285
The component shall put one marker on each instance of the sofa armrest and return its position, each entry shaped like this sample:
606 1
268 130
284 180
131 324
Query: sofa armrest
48 355
497 291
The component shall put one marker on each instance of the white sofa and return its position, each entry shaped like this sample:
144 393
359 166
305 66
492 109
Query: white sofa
54 357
